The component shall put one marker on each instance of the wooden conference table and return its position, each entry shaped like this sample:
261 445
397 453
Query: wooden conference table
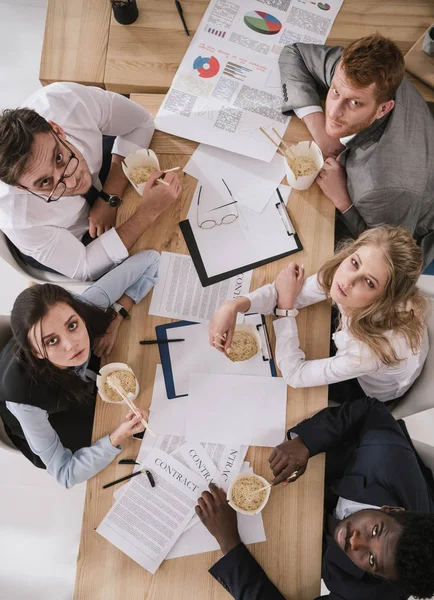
291 556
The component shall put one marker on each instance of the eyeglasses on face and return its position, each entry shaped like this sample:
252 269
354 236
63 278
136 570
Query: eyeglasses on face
69 170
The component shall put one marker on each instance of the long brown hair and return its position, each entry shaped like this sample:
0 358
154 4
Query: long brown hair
29 308
401 308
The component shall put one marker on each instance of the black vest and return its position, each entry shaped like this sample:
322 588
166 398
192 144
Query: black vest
72 422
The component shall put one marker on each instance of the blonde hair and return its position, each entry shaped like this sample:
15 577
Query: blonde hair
401 308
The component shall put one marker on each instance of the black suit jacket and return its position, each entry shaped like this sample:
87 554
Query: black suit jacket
381 468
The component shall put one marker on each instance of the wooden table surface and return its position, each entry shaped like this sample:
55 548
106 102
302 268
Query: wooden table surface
291 556
75 41
144 56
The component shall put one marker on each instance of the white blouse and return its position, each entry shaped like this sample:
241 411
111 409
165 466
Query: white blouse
353 358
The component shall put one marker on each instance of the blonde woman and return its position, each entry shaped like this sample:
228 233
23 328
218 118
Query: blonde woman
381 336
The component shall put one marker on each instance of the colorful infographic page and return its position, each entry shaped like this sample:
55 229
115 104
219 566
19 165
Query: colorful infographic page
228 84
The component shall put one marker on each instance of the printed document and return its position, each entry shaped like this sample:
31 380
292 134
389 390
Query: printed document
228 84
146 521
178 293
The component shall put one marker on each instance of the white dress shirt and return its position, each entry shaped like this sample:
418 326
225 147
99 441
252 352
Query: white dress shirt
353 358
51 233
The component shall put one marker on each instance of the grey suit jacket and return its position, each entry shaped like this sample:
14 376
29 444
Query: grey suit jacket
389 165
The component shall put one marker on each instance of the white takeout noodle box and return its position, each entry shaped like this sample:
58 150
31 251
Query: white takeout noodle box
104 372
304 149
261 506
141 158
254 333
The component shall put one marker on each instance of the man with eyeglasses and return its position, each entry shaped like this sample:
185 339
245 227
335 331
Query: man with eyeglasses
53 207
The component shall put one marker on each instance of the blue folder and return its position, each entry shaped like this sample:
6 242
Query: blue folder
161 331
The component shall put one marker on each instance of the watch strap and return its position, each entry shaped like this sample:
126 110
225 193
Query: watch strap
111 199
120 310
281 312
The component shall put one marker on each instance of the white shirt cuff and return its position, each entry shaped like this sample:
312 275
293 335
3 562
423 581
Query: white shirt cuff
347 209
307 110
113 245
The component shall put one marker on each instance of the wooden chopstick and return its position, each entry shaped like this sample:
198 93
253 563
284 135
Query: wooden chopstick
171 170
272 141
270 484
112 381
284 144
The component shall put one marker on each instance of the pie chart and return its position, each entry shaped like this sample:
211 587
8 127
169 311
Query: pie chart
206 67
262 22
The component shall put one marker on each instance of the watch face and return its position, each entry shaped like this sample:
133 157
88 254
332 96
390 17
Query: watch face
114 201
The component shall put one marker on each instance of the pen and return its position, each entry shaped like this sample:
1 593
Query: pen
179 7
162 341
148 473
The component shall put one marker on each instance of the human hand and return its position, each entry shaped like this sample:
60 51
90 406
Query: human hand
129 427
332 179
157 196
219 518
104 343
330 147
287 458
102 217
288 285
222 326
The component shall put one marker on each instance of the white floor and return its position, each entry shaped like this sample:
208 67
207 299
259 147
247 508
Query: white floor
22 25
40 521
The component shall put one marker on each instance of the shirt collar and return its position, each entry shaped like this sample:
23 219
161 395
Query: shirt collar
346 139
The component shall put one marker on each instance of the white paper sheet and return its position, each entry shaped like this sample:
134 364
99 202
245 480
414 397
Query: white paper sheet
250 181
178 293
197 539
146 522
236 409
251 238
195 354
228 83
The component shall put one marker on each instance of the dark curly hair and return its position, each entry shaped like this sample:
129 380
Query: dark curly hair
414 554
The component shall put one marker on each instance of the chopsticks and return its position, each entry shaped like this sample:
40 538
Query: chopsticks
273 142
159 179
112 380
167 171
286 147
284 144
270 484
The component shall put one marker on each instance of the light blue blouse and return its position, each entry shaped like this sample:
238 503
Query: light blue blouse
134 277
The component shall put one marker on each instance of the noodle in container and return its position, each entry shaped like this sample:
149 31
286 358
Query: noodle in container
310 150
241 497
124 372
246 343
132 163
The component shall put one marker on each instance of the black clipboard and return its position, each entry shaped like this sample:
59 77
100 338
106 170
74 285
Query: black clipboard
193 249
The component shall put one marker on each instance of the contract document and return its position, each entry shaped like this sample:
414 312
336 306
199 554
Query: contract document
146 521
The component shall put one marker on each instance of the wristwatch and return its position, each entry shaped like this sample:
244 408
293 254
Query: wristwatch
120 310
281 312
111 199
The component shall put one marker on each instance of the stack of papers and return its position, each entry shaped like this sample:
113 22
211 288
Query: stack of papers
251 182
150 524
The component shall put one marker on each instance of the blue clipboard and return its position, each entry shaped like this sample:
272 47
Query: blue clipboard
161 332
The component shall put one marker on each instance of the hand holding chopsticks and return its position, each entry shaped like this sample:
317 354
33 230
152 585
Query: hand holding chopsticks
114 383
271 485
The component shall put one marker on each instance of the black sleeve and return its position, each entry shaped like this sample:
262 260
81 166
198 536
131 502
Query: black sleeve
242 576
332 426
